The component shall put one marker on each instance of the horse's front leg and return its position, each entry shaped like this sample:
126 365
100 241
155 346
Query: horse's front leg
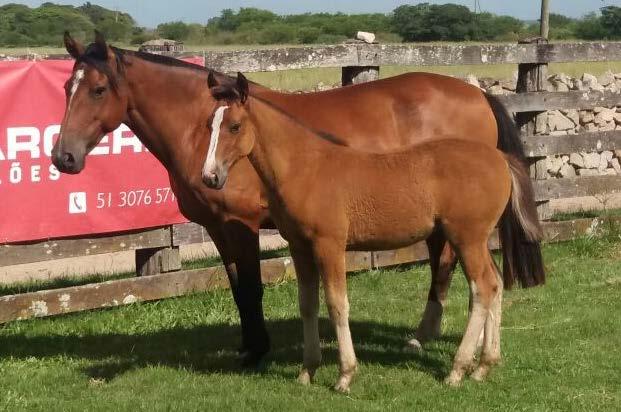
330 257
238 245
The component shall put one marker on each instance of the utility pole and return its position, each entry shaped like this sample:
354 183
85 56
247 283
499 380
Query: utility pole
545 18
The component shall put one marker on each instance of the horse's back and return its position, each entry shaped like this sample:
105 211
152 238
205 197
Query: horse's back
394 112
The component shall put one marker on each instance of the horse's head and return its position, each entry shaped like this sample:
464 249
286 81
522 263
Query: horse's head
232 133
96 102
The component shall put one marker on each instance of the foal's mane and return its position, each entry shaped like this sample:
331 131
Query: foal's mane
234 96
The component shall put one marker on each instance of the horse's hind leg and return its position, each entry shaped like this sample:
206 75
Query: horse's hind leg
484 287
442 260
490 355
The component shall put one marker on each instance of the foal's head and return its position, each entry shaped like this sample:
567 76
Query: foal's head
96 102
232 134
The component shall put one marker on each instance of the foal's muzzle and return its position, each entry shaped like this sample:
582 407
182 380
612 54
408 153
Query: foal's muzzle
215 179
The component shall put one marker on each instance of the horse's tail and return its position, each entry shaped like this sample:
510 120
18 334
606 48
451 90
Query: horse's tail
519 229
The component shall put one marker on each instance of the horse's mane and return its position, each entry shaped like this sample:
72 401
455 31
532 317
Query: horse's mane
96 57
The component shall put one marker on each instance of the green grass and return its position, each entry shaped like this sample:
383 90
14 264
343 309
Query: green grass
560 348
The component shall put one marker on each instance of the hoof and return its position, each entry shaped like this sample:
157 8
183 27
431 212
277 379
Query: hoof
454 379
480 373
252 360
342 387
414 346
305 378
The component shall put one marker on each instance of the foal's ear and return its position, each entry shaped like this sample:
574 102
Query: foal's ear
211 80
242 87
74 47
101 47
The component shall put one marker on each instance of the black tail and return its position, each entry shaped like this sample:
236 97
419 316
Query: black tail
522 258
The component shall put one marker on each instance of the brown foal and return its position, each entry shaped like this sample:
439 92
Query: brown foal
327 198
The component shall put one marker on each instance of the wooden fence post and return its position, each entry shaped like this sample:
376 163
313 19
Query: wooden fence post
153 261
359 74
532 78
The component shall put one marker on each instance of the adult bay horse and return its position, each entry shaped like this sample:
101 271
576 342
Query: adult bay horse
327 198
163 100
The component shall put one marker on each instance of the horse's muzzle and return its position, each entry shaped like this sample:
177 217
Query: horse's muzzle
68 162
215 180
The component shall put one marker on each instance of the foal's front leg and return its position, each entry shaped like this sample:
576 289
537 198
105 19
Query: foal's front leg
330 257
308 296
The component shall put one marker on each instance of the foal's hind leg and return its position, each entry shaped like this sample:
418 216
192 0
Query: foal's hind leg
442 260
490 355
484 287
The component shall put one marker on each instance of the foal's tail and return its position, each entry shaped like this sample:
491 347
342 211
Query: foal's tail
519 229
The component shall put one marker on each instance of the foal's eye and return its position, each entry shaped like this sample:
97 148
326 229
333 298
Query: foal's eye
235 128
99 91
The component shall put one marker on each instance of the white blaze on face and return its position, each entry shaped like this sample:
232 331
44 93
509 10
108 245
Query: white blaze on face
77 79
210 161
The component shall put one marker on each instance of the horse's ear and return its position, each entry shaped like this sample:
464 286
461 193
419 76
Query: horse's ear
242 87
74 47
101 47
211 80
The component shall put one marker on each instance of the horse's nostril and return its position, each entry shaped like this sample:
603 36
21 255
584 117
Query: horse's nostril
68 159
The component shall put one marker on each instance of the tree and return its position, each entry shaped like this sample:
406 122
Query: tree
430 22
177 30
611 21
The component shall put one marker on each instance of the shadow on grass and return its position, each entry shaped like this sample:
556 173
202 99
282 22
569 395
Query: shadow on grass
208 349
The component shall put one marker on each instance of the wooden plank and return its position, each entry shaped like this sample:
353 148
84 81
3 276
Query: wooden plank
140 289
576 187
190 233
282 58
18 253
538 146
575 99
287 58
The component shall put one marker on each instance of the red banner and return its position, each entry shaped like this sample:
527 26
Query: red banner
123 187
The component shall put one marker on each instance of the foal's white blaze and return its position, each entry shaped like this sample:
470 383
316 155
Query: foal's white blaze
210 161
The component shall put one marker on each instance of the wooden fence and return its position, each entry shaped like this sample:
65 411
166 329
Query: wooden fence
157 249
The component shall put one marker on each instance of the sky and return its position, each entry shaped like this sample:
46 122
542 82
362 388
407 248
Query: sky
150 13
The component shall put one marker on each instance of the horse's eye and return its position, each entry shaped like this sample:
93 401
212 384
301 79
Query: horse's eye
235 128
99 91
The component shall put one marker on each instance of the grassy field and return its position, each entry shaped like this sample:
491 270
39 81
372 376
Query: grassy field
307 79
560 348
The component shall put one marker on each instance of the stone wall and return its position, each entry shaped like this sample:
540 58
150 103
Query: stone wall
568 122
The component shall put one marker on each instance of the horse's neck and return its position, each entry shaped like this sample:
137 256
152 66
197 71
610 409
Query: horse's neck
162 111
284 151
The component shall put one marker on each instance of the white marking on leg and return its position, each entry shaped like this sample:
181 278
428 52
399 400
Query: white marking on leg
210 161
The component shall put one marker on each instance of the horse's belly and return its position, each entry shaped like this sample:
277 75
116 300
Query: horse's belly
385 235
